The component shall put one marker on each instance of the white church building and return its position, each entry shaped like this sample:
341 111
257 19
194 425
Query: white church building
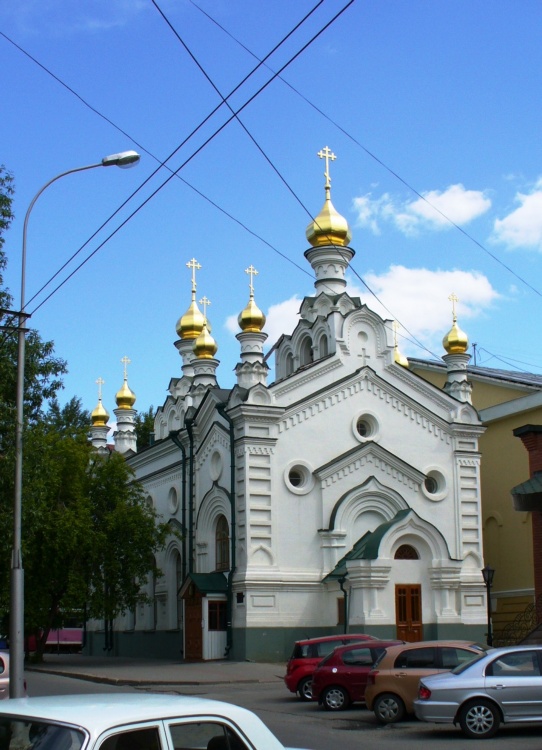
343 496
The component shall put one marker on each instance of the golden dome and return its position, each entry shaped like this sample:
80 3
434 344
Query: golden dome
205 346
99 416
190 325
456 341
125 398
399 358
251 319
329 227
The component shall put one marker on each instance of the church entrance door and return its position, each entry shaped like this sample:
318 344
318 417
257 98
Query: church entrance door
408 612
193 636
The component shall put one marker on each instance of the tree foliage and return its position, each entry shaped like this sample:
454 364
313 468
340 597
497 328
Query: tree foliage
144 427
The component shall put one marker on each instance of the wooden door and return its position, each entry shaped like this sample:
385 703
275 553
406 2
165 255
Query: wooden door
193 631
408 612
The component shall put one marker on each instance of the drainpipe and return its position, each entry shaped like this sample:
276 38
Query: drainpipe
175 437
342 580
229 601
188 424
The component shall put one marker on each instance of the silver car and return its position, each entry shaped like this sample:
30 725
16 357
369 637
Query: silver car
504 685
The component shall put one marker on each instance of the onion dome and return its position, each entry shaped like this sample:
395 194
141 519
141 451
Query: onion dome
125 398
190 325
399 358
456 341
251 319
329 227
205 347
99 416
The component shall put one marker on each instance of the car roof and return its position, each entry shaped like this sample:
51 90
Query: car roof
338 636
99 712
366 644
423 644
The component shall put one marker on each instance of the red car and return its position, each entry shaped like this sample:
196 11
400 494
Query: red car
308 654
340 679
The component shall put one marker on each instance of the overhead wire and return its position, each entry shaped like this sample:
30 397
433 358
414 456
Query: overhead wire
273 165
194 153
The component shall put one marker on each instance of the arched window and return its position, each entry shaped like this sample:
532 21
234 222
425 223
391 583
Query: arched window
406 552
289 363
323 349
222 544
305 352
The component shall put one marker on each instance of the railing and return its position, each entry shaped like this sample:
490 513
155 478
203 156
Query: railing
522 626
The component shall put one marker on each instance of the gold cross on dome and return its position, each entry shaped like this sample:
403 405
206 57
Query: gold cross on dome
99 383
205 302
327 154
453 299
252 272
195 266
125 361
396 327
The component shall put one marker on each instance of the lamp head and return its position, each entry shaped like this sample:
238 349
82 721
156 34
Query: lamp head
488 572
124 159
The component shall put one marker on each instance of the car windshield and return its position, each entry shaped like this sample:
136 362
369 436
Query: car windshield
18 734
468 664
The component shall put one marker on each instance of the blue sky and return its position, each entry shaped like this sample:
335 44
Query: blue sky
440 100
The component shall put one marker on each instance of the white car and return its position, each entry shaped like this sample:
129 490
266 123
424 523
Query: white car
126 721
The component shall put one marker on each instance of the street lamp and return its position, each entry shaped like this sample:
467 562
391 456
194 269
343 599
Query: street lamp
16 624
488 574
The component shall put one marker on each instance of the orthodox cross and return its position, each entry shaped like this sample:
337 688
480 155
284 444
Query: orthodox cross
396 327
195 266
453 299
99 383
327 154
252 272
205 302
125 361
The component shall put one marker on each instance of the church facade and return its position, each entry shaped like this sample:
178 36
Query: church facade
345 495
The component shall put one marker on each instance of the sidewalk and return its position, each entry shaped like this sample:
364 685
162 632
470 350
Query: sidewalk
126 671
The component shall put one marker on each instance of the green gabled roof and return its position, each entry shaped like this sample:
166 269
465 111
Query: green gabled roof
367 547
208 583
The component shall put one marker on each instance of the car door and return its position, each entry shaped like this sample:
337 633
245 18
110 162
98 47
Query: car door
410 666
514 680
357 662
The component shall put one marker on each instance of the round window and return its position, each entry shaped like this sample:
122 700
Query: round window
434 485
365 427
299 478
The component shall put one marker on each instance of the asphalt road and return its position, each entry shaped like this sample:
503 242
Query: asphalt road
299 724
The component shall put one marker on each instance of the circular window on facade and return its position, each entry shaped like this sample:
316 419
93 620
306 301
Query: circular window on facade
365 427
298 478
173 500
434 485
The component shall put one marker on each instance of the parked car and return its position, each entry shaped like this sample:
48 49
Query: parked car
127 721
392 685
306 656
504 685
340 679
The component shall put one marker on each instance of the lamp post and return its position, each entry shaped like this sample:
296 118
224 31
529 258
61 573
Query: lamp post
16 624
488 574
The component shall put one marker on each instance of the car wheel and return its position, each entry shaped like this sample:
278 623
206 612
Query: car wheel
305 689
389 708
335 699
479 719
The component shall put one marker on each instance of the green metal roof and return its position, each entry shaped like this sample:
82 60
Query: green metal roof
209 583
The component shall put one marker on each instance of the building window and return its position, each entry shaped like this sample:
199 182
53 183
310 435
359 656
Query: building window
222 544
217 615
406 552
305 352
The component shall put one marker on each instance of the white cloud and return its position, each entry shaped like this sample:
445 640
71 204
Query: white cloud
280 318
418 299
434 211
523 226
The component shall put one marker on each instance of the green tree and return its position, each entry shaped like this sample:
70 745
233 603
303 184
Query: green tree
144 427
89 535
